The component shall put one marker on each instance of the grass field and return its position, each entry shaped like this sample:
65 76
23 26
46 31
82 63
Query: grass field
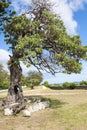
68 111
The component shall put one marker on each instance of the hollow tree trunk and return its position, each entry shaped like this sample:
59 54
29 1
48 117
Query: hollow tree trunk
15 94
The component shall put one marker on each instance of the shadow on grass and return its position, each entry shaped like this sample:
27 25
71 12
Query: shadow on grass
54 103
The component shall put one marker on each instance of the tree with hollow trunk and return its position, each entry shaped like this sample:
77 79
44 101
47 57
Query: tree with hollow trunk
38 37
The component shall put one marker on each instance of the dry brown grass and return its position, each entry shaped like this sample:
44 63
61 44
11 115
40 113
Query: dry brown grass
68 112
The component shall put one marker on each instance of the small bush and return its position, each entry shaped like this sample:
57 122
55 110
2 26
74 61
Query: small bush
46 84
73 85
68 85
83 83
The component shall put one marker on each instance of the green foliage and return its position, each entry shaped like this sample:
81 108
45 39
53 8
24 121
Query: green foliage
24 81
73 85
46 83
4 78
5 13
68 85
83 83
4 84
65 85
34 78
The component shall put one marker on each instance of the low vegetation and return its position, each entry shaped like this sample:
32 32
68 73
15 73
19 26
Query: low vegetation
4 78
67 85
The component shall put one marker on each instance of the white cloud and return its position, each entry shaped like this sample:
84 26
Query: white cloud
75 5
63 9
4 57
19 5
66 9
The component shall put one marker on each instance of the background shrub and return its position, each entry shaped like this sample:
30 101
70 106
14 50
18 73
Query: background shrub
46 83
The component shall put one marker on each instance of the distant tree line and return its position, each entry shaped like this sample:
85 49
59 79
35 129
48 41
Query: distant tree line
67 85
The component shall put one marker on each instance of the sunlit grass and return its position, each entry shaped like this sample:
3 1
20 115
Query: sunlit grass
68 111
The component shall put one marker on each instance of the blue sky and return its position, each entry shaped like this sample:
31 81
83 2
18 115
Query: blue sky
81 17
74 15
2 43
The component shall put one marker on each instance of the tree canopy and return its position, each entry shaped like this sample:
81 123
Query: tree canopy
5 12
41 40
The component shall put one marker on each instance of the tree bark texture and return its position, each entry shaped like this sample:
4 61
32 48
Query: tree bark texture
15 93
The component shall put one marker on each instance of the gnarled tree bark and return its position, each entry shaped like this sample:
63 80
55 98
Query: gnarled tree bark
15 93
